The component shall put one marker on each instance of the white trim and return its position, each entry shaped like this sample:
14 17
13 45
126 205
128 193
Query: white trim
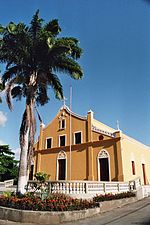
60 124
57 164
81 137
98 163
51 142
65 140
100 131
100 125
73 114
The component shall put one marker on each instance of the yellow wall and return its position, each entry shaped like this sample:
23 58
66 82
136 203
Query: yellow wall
85 155
96 136
78 162
52 130
137 152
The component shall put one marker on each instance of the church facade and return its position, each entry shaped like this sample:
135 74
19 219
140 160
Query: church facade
73 147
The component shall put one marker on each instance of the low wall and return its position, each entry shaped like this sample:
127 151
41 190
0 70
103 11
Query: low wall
59 217
143 191
26 216
110 205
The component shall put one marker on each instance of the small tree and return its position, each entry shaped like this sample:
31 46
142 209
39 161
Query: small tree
8 164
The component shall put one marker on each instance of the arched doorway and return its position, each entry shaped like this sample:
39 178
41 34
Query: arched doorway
61 166
103 166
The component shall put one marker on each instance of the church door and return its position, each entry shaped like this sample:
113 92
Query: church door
104 169
62 169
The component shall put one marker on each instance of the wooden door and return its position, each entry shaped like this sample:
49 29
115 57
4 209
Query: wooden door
62 169
104 169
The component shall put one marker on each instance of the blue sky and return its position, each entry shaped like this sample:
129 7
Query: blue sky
115 37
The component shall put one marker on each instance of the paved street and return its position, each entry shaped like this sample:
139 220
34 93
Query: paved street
137 213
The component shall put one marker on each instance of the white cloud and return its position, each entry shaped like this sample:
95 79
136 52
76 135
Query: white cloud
3 119
17 153
2 142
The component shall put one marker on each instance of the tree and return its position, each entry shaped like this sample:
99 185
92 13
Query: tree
35 56
8 164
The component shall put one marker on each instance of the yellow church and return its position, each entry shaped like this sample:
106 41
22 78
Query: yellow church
73 147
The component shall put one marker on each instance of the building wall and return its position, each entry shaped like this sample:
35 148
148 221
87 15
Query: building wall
53 130
96 136
121 149
110 150
48 162
140 154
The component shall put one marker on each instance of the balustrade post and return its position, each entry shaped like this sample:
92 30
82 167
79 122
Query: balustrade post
49 188
86 188
104 187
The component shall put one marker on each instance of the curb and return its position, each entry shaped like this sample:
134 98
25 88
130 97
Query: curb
45 217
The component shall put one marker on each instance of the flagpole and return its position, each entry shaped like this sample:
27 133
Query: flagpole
70 126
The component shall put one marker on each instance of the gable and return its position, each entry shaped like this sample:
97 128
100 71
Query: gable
60 126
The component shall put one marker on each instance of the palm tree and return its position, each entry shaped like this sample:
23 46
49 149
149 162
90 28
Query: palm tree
1 89
34 56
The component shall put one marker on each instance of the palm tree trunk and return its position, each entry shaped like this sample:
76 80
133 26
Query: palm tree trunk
27 132
23 165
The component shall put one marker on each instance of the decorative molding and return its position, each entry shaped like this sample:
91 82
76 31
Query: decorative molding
96 129
73 114
61 155
103 154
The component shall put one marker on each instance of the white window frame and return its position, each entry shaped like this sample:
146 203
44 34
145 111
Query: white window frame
75 138
65 140
61 155
51 142
60 124
98 163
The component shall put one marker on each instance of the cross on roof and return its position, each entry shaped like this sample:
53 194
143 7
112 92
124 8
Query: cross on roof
64 100
118 125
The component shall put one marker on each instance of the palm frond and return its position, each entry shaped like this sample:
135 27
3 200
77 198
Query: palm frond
16 92
9 73
55 83
36 24
42 97
8 89
53 27
38 114
68 66
73 44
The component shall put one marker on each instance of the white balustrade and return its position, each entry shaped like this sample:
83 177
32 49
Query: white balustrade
89 187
